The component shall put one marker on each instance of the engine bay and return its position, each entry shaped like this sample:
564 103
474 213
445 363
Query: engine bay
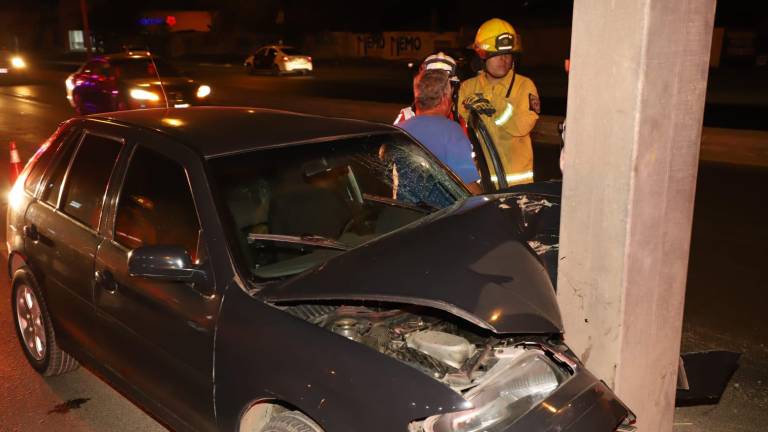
455 354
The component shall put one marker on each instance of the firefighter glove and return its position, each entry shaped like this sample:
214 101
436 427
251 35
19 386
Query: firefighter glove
480 104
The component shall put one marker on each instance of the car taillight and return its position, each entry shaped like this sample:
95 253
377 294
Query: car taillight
309 58
285 58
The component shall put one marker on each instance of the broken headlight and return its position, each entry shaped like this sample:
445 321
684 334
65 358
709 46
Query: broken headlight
517 383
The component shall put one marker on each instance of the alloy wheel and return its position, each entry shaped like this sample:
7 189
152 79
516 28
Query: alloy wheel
29 318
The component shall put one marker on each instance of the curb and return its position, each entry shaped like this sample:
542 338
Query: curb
733 146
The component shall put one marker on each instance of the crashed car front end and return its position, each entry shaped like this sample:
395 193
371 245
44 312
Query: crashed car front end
484 322
420 310
508 383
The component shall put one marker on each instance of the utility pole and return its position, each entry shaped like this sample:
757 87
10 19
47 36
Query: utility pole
86 28
636 92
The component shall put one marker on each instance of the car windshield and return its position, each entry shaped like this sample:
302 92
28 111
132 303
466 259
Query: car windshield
140 68
292 208
290 51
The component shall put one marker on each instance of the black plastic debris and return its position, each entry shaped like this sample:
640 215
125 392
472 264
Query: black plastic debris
71 404
705 375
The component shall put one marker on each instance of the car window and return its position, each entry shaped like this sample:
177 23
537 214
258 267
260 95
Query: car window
87 180
43 157
156 205
294 207
89 67
53 183
143 68
290 51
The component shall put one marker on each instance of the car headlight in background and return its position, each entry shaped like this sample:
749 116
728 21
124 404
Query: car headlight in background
18 62
509 390
140 94
203 91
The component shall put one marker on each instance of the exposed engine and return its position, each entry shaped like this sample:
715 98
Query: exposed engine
442 349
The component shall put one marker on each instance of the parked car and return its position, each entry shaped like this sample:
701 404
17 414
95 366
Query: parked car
12 65
278 60
131 80
257 270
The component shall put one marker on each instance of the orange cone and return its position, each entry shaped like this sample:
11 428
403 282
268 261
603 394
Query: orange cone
15 163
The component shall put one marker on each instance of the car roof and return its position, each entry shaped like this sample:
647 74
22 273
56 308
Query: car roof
129 55
218 131
280 47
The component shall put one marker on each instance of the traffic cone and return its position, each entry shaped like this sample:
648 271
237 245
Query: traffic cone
15 163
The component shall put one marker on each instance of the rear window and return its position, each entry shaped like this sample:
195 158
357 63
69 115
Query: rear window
86 183
43 157
291 51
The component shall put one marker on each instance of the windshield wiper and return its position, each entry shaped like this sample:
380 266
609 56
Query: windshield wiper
421 206
310 240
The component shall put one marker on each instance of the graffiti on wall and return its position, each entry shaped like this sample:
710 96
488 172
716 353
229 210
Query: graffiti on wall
401 45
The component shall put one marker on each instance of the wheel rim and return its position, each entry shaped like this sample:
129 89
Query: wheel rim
29 318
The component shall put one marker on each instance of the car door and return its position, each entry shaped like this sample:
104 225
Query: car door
258 58
62 232
86 92
162 331
269 58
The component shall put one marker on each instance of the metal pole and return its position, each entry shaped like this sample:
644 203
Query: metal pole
86 28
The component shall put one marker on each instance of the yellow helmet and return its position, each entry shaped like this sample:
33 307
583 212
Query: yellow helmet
495 37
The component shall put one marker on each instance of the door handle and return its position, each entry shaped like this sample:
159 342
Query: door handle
105 280
30 232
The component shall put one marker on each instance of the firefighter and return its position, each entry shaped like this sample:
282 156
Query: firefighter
507 101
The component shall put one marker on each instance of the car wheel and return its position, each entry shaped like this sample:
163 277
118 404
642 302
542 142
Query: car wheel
35 330
291 421
275 70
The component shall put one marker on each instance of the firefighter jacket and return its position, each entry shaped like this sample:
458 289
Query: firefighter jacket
516 111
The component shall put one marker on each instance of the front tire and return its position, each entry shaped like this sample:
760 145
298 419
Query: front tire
291 421
34 328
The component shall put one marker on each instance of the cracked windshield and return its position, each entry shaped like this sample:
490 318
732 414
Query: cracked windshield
291 208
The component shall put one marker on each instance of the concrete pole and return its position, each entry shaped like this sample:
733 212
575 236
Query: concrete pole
635 108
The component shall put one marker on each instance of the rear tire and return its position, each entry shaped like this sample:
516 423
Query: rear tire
34 328
291 421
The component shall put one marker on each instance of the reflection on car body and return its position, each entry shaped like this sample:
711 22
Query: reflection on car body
256 270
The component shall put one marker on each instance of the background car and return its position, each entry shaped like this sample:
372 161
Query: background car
256 270
278 59
131 80
12 65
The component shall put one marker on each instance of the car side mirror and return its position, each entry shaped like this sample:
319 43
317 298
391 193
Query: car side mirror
164 262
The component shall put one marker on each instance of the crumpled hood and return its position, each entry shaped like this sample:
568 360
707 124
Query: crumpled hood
471 260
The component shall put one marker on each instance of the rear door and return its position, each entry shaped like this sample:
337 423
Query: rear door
63 232
161 332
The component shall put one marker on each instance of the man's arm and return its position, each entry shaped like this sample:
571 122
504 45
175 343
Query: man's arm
517 115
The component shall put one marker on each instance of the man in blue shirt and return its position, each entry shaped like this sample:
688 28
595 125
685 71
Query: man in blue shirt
431 126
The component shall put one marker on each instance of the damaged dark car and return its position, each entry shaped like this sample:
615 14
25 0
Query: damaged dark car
252 270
